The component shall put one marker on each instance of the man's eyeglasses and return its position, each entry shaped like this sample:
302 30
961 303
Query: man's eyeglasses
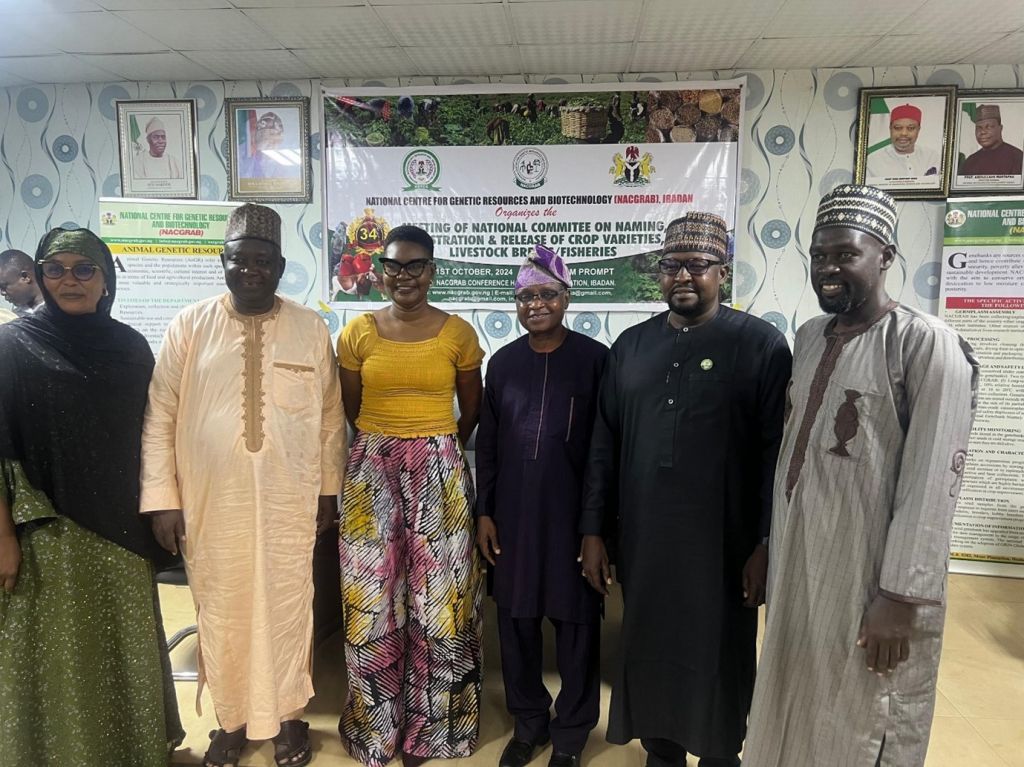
547 296
393 267
695 266
55 270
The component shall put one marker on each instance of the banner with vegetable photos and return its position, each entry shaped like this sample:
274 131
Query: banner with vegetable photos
981 295
594 172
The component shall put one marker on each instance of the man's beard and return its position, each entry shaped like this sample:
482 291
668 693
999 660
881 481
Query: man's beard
684 310
843 303
840 304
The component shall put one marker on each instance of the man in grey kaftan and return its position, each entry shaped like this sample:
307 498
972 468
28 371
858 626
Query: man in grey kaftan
878 416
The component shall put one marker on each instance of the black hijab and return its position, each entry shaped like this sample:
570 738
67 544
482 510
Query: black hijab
73 394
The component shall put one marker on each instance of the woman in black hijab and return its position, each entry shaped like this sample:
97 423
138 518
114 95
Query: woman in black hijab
83 671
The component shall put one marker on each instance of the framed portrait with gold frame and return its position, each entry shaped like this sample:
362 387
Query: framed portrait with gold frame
157 149
268 150
988 157
905 140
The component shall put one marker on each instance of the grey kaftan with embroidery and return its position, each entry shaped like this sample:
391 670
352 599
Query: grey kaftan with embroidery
865 489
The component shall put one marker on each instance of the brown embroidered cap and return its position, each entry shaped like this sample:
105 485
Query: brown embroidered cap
255 222
697 232
988 112
855 206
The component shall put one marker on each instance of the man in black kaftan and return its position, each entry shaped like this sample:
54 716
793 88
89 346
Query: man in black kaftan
684 448
531 453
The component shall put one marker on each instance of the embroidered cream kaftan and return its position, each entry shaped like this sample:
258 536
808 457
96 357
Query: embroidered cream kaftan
244 430
867 480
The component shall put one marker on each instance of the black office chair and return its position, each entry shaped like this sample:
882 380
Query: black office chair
186 670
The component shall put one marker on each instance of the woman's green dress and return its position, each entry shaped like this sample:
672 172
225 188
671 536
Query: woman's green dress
84 678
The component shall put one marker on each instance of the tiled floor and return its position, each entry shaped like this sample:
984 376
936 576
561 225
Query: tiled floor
979 716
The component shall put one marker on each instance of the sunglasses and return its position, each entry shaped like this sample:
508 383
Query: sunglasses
392 267
695 266
547 296
55 270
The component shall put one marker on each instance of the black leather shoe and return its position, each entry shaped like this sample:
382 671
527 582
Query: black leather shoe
562 759
518 753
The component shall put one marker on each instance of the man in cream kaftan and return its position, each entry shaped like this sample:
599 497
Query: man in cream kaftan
878 417
243 433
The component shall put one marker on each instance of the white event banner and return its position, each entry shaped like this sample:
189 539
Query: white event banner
594 172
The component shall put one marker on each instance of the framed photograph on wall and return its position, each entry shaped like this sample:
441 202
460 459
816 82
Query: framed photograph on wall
268 150
905 140
157 147
987 154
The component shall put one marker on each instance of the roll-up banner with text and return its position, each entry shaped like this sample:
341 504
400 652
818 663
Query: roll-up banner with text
982 298
167 256
593 171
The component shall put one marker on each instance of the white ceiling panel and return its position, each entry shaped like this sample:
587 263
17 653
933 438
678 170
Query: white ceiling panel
466 60
946 17
494 39
253 65
296 3
149 66
323 28
455 25
576 21
1007 50
895 49
95 32
818 18
712 20
161 5
212 30
346 61
801 53
47 6
15 41
684 56
418 2
7 79
585 59
63 68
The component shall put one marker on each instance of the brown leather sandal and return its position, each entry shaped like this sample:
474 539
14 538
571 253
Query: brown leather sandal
225 748
292 746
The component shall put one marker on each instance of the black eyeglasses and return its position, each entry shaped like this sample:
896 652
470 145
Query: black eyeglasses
547 296
694 266
393 267
55 270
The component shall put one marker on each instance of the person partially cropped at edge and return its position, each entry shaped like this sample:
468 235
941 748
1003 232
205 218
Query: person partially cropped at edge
411 584
242 459
685 441
531 452
878 417
84 675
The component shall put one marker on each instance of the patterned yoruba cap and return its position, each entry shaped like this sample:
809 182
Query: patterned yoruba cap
542 267
697 232
254 222
855 206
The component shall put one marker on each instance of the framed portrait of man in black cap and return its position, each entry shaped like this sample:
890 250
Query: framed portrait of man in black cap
989 142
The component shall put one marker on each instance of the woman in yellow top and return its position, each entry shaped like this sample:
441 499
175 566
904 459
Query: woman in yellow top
411 584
